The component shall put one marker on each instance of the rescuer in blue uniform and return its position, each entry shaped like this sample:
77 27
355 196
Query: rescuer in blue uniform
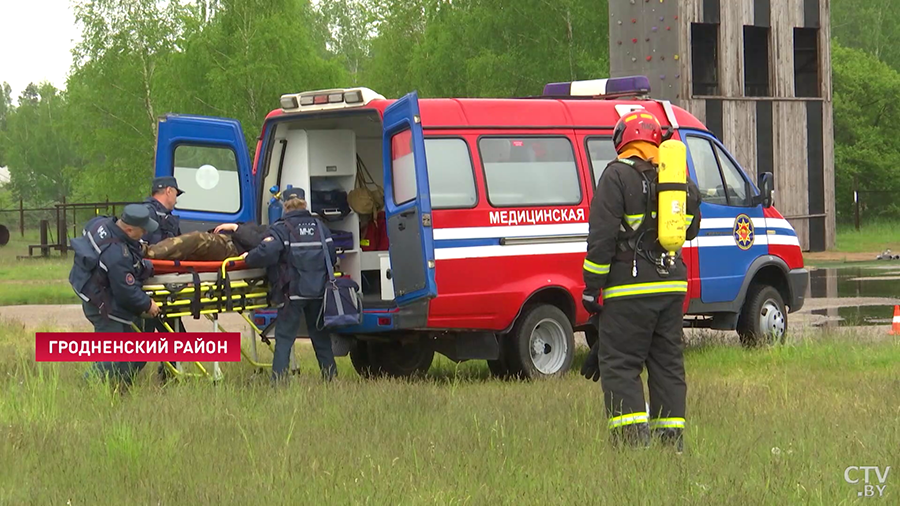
164 193
107 274
641 318
292 251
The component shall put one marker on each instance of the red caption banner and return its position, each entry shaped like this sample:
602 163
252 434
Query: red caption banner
138 347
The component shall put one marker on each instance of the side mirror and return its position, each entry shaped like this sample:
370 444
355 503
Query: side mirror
766 190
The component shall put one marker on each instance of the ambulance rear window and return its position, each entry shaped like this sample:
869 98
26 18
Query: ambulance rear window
530 171
601 151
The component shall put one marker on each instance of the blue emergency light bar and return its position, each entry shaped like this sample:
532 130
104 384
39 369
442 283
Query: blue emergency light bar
603 88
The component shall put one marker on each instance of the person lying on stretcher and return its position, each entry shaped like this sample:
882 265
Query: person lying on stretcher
228 240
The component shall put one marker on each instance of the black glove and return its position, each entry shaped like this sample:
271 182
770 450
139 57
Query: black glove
591 368
590 300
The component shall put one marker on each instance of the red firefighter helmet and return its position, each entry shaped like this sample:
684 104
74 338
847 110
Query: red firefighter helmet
639 125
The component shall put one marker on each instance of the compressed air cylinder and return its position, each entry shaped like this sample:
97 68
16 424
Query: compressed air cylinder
672 202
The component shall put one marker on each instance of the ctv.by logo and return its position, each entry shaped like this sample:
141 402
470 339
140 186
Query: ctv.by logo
852 475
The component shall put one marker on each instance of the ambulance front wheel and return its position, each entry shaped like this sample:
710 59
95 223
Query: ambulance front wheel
541 344
763 319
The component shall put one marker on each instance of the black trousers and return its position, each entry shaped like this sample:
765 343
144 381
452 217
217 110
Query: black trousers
155 325
637 332
287 327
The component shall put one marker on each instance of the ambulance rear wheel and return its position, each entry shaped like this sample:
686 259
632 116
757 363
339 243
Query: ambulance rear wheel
361 360
763 319
541 344
393 359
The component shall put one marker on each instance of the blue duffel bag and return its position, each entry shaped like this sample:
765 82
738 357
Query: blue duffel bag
342 304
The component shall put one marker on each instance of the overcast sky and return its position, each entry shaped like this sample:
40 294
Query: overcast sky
36 37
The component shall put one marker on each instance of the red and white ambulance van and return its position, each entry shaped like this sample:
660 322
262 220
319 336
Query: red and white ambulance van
486 208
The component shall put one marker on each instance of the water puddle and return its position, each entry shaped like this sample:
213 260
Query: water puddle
852 296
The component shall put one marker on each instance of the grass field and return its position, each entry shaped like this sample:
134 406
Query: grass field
34 280
875 236
776 426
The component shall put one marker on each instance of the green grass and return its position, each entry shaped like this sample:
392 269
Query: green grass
33 280
875 236
775 426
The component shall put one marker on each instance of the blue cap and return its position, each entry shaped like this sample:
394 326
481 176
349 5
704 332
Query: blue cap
293 193
161 183
138 215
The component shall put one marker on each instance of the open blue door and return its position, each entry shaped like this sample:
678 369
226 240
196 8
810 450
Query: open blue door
209 158
408 203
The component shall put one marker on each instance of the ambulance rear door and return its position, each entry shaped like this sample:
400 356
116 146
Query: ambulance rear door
408 203
209 158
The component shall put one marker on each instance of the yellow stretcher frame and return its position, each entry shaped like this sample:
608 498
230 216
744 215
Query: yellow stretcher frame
211 315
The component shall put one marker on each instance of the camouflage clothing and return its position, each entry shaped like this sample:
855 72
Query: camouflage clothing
196 246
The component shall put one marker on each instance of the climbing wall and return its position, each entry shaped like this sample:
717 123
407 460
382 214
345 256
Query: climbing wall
644 40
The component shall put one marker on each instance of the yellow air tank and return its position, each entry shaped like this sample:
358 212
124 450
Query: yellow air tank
672 199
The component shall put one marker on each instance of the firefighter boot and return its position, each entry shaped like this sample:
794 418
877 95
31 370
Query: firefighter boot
671 436
636 435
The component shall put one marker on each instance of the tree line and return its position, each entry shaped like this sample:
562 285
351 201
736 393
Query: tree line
139 59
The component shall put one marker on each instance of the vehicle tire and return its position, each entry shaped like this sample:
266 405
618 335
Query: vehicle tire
541 343
763 319
400 360
362 361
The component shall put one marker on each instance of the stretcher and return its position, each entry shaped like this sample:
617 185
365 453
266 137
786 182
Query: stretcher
206 289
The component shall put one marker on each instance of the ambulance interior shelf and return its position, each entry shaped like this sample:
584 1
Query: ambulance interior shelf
326 162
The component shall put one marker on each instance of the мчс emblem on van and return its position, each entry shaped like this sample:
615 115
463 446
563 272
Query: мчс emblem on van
743 232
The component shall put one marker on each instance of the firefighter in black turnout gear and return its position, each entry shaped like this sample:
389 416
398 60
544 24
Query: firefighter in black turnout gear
640 319
297 270
107 274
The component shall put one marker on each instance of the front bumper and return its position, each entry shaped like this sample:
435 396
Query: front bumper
798 279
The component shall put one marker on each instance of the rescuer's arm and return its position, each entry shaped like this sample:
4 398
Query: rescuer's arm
124 281
267 253
693 211
607 210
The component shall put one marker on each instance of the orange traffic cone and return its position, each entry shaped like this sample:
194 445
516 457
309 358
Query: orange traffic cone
895 327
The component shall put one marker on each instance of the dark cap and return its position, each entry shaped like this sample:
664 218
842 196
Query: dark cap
161 183
138 215
293 193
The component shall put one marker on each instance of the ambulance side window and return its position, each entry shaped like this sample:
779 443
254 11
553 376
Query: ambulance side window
601 151
451 176
709 179
736 187
209 177
530 171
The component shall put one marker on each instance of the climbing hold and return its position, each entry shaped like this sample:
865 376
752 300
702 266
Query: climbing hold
620 21
676 56
662 18
662 77
676 16
668 28
619 42
663 58
654 28
633 60
647 39
649 58
634 41
677 76
633 20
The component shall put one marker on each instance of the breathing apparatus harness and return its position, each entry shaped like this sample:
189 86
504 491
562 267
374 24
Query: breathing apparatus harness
647 230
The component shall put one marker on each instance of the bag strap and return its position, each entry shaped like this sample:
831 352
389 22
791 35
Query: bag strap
325 249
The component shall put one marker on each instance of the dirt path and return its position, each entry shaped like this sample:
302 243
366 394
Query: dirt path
70 317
